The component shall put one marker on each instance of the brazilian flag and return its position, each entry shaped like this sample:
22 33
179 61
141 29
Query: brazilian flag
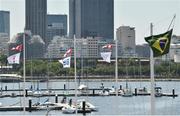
160 44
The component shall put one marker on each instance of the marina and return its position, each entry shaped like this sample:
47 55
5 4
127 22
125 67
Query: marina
92 92
50 69
96 99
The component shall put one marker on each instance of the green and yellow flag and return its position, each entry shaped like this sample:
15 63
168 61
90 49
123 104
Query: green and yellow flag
160 44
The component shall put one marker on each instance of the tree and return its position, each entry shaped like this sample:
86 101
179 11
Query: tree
3 59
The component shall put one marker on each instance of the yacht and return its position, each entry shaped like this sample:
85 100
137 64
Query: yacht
67 109
158 91
127 93
88 105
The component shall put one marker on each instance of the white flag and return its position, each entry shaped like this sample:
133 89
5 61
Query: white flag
66 62
14 59
106 56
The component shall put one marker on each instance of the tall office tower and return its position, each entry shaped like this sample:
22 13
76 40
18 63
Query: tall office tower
91 18
126 37
36 12
56 26
5 22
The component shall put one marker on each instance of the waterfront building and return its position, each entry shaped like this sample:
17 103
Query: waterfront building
143 51
56 26
35 17
58 46
112 50
91 18
34 45
126 37
85 47
5 22
175 48
4 38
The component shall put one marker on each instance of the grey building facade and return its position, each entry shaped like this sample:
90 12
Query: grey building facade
126 37
56 26
91 18
5 22
35 20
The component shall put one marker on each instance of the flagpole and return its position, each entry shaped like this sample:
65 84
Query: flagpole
116 70
152 75
24 74
75 73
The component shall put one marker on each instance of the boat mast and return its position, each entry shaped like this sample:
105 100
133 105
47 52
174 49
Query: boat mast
116 69
152 75
24 73
75 73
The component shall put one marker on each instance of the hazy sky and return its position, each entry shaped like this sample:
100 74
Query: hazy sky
134 13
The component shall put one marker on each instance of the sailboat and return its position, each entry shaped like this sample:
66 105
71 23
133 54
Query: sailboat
88 105
141 90
67 109
83 88
127 92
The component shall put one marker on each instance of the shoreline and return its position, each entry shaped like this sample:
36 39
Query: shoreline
91 79
112 79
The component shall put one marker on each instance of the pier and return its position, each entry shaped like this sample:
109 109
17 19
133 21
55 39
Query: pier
69 92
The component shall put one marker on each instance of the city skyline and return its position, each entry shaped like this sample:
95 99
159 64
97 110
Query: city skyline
137 13
91 18
36 17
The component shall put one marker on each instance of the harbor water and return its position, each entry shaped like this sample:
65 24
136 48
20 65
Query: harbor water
107 105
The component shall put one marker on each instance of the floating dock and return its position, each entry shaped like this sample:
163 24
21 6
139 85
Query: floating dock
69 92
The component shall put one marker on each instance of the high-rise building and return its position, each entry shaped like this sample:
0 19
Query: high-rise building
4 38
56 26
91 18
36 12
126 37
5 22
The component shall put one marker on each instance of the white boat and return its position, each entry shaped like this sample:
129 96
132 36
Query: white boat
83 89
127 93
37 93
120 91
67 109
104 92
88 105
48 92
112 90
158 91
142 90
47 106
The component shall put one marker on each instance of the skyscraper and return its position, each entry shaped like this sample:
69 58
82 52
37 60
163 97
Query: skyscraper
91 18
56 26
5 22
36 12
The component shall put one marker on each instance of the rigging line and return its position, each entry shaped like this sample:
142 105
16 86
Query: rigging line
157 23
172 22
15 103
